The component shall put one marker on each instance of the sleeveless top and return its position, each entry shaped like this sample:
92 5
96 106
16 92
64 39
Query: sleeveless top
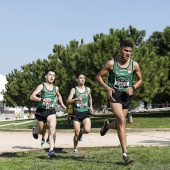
48 94
121 78
81 106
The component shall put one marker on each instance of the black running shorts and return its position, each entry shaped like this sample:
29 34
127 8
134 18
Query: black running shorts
123 98
41 114
80 116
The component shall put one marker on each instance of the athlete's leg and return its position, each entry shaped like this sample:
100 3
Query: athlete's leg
44 130
68 118
51 121
111 125
125 111
87 126
39 128
76 125
48 138
120 123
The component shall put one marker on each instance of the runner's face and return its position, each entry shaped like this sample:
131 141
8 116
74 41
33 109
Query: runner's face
50 77
81 79
125 53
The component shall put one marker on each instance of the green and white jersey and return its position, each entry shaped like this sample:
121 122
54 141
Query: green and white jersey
121 78
81 106
48 94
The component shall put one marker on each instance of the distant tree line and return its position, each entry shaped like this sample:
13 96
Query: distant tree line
153 56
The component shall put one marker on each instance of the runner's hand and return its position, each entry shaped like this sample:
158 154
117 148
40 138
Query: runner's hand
129 91
91 110
110 91
64 107
80 98
46 100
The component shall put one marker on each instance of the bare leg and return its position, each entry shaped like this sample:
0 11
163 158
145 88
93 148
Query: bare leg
44 131
112 125
87 126
51 120
76 125
39 128
68 118
120 123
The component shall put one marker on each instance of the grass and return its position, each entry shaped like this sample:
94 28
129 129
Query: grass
146 158
141 120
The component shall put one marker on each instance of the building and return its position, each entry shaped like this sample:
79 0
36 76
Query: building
10 112
4 110
3 81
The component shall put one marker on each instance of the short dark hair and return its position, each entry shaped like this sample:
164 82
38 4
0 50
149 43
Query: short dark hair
126 43
47 71
78 74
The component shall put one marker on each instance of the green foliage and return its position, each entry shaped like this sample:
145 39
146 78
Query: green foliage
152 55
22 83
160 41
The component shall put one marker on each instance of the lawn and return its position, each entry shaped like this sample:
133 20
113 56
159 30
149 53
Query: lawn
146 158
140 120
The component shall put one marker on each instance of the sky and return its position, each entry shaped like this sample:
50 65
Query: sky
29 29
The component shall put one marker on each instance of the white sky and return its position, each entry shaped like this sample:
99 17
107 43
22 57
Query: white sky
29 29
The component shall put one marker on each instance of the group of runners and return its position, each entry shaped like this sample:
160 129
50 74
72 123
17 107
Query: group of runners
120 89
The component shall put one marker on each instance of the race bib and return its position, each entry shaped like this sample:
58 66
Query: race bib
121 83
81 104
48 105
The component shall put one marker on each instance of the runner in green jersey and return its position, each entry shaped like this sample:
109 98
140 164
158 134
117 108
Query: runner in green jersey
81 98
47 94
120 89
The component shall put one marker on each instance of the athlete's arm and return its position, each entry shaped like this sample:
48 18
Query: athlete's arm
70 99
136 68
37 91
108 67
60 98
90 101
138 74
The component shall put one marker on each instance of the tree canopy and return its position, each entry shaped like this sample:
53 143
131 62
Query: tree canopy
152 55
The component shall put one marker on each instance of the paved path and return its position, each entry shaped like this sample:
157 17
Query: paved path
12 141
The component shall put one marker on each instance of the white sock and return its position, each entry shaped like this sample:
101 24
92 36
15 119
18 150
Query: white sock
124 154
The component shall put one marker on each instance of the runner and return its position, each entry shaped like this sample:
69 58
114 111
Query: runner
120 89
70 112
46 113
81 98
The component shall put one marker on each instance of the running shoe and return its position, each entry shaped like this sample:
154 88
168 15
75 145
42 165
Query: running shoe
127 160
51 154
76 151
80 135
42 142
47 140
33 134
103 130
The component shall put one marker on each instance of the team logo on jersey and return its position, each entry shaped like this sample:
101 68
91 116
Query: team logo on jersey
129 70
117 69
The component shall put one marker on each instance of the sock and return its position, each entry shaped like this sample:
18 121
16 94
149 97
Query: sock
124 154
